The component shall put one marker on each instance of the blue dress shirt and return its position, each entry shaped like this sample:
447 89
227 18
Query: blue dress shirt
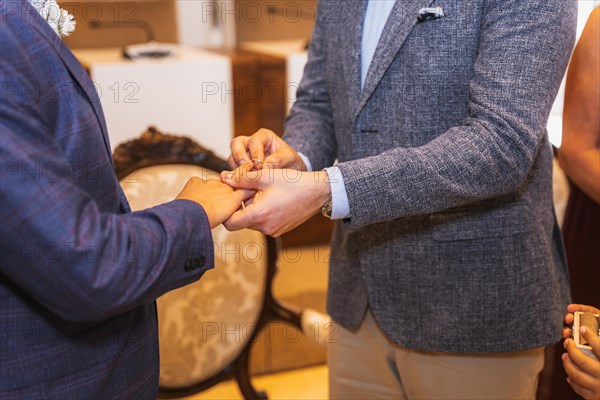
378 12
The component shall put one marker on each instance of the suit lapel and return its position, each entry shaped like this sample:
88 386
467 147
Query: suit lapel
402 19
77 72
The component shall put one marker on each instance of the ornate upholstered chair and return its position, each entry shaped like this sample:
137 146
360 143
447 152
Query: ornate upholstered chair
206 329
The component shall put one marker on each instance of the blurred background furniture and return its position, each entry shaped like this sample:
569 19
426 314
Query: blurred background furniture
207 329
293 55
185 93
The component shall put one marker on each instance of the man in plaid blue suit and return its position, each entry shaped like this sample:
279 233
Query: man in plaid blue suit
79 273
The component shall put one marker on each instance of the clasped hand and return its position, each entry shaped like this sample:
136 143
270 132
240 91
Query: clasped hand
217 199
286 194
284 198
273 199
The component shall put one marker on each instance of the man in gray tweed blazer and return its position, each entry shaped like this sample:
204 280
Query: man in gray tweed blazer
447 272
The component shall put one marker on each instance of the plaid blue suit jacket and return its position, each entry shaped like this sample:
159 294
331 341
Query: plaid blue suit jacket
79 272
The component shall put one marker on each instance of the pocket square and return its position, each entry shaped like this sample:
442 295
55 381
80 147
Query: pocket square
430 13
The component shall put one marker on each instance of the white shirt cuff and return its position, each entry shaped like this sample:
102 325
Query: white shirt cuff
306 162
339 197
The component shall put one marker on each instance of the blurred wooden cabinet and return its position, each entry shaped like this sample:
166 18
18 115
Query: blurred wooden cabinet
257 81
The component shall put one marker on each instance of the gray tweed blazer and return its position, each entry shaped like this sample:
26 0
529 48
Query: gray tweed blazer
452 241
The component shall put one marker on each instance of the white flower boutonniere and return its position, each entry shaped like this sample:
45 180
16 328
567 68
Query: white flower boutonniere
60 20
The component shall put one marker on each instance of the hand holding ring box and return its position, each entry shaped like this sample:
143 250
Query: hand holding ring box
592 322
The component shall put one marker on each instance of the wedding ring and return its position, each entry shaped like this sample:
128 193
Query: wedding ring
258 164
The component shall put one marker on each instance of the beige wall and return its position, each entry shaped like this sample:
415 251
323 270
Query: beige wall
274 19
159 14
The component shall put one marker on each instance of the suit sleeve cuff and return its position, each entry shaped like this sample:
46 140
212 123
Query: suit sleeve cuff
339 197
196 228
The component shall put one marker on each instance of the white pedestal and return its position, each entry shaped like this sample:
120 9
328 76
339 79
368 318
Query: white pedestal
178 95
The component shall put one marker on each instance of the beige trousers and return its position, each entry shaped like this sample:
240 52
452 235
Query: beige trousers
367 365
